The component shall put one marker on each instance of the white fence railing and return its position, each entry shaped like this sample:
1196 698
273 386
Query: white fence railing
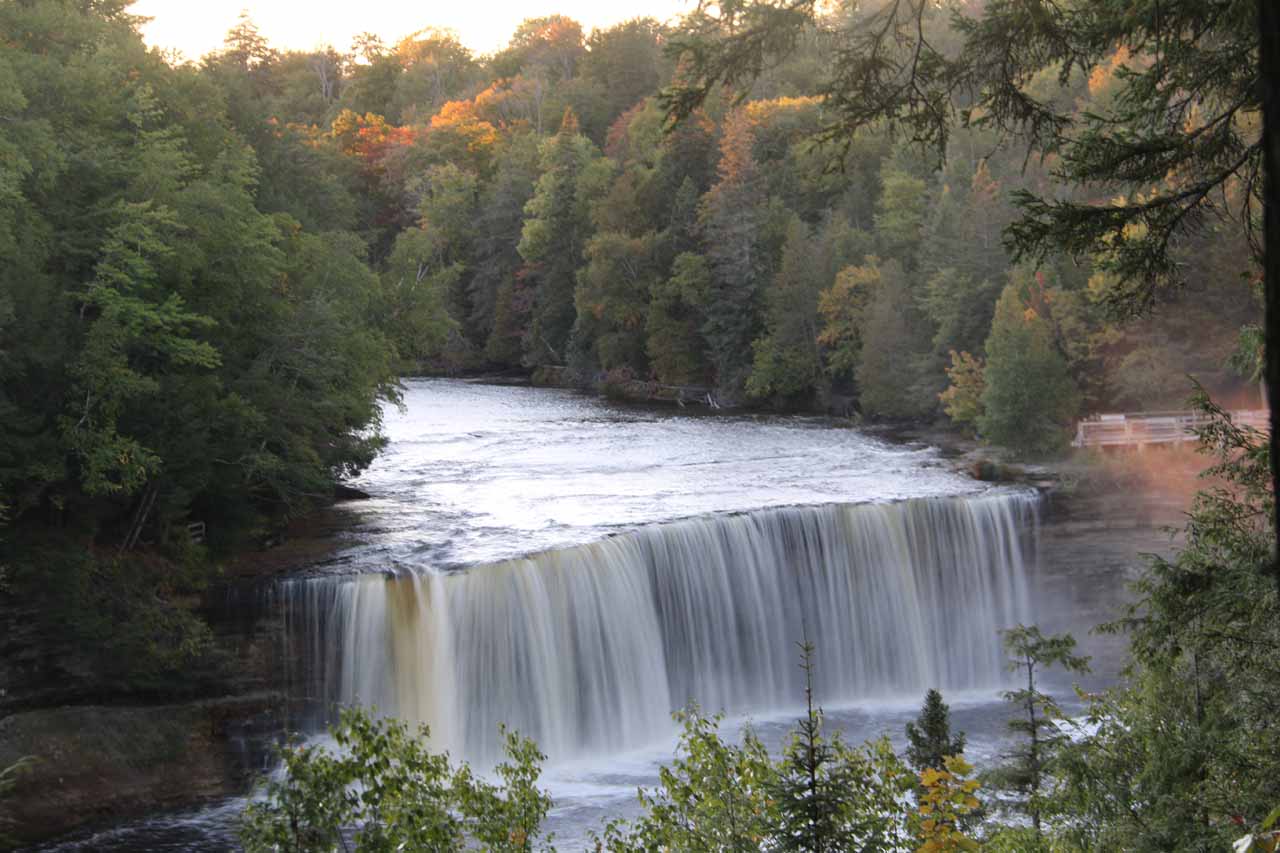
1144 428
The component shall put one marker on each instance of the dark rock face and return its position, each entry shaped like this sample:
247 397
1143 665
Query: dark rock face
343 492
100 759
96 764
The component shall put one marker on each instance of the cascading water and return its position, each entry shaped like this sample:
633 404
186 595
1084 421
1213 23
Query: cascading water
588 649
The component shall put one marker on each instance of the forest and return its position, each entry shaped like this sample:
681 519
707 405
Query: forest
215 271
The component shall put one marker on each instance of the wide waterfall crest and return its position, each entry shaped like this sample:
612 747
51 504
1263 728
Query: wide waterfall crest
589 649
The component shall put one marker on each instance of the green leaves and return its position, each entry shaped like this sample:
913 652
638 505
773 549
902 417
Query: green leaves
135 335
382 787
1029 397
713 796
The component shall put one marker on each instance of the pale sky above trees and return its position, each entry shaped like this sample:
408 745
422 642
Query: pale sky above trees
196 27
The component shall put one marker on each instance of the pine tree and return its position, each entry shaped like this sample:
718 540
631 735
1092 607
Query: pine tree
1029 397
892 380
786 357
830 797
1030 652
731 217
808 797
929 740
555 234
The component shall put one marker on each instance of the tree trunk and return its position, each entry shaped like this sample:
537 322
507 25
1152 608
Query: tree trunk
1269 55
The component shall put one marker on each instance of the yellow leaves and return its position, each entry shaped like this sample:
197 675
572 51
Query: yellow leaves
762 111
462 119
962 400
946 800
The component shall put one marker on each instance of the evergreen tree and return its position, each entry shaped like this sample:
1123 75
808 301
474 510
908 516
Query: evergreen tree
830 797
674 341
1032 761
732 226
499 222
786 360
1180 756
891 369
929 740
900 216
1029 398
556 229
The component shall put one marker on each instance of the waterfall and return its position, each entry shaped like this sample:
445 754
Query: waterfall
590 648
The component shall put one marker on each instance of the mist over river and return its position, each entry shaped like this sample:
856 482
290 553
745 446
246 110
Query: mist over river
580 570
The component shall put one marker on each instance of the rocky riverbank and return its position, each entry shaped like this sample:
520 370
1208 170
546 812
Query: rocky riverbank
102 759
98 764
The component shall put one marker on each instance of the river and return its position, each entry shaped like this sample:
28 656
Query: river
579 570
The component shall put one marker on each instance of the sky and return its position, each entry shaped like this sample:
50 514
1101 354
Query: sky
196 27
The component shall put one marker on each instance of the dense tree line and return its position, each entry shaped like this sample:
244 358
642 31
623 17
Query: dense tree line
178 346
537 209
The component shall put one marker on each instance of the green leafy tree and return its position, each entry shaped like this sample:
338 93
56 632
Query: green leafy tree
447 211
137 332
1029 398
384 787
415 292
500 219
713 796
819 795
627 62
172 352
960 309
900 216
612 299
